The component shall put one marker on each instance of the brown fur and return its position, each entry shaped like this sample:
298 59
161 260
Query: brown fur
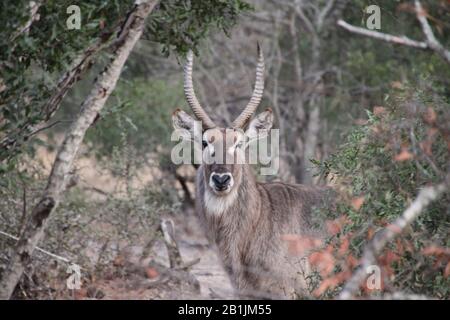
244 218
247 221
249 233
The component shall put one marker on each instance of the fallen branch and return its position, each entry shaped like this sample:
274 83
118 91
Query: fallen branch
167 228
95 101
376 246
188 265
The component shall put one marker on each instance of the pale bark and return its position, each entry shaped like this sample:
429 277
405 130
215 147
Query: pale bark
34 16
309 93
376 246
167 228
401 40
312 135
90 108
430 43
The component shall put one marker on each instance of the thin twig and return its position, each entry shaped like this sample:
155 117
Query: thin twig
51 125
323 14
188 264
38 249
24 209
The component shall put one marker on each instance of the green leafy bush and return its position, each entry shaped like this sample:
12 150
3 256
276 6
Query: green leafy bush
379 170
180 24
140 114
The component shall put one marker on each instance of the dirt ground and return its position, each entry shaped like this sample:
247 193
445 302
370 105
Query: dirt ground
133 277
212 279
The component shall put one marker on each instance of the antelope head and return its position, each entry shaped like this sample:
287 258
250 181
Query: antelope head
223 152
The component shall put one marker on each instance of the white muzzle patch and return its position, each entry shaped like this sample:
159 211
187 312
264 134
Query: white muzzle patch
218 202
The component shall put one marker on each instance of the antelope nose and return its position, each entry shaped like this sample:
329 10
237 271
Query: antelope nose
221 181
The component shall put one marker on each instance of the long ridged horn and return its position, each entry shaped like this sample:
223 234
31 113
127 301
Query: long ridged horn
257 95
190 94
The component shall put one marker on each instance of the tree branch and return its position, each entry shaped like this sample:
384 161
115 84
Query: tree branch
403 40
66 81
375 247
303 18
432 42
324 13
34 16
102 88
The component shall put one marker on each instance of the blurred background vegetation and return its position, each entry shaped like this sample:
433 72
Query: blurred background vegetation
353 112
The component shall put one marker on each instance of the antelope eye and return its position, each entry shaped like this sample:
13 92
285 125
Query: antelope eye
204 144
240 144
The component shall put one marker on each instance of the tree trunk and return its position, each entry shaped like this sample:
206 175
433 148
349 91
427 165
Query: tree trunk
90 108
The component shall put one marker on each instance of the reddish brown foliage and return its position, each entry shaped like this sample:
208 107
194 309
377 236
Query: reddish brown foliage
323 260
370 233
396 85
298 245
119 261
436 251
351 261
151 273
357 203
331 282
378 110
447 270
404 155
430 116
386 261
335 226
80 294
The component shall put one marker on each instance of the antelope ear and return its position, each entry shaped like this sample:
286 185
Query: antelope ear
260 126
188 128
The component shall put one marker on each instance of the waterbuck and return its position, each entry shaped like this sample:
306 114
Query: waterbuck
244 218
